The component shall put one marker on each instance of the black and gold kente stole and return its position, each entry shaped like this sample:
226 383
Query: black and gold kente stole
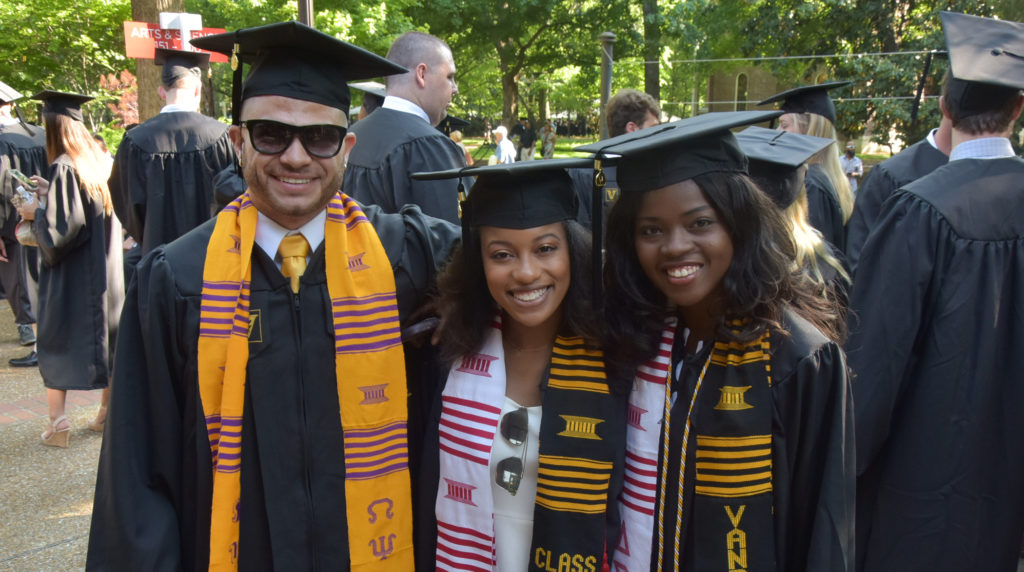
732 425
579 437
578 441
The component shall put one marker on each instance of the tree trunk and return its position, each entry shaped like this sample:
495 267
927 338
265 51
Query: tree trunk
652 49
147 74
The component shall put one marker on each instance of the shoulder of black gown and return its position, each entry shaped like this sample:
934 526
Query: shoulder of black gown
803 339
388 129
186 257
177 132
992 210
417 245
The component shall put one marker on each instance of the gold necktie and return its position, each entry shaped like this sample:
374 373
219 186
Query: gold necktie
293 251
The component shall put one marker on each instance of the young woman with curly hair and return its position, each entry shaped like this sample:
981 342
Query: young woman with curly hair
739 441
523 458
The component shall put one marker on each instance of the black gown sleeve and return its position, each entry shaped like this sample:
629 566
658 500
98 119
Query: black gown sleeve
815 479
129 208
135 522
62 226
887 311
823 210
877 186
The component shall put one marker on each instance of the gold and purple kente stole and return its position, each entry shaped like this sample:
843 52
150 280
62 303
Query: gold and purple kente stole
369 369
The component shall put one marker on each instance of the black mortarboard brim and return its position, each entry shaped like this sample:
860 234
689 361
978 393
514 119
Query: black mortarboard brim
180 63
372 87
809 99
8 93
659 156
986 60
291 59
775 158
61 103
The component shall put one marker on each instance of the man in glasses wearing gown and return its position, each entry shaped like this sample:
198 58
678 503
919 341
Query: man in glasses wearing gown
260 419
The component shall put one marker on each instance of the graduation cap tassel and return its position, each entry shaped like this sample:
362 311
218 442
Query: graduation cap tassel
236 84
597 224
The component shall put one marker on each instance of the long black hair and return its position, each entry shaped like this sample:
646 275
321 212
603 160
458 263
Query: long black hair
466 303
758 285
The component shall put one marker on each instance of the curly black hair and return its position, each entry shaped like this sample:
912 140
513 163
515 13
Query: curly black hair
760 282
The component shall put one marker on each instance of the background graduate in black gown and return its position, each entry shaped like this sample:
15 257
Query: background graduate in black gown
939 293
810 111
155 486
162 179
399 138
23 147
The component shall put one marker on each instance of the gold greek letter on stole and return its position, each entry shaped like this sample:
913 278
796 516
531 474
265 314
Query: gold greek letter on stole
736 541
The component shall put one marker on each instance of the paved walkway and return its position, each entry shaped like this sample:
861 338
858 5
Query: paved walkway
45 493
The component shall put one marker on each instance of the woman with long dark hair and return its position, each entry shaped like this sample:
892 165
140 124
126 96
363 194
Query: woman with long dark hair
739 446
527 429
81 284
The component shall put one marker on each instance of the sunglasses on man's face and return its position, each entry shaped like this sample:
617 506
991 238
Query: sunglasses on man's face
515 429
273 138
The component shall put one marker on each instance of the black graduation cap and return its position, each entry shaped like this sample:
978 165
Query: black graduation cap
809 99
672 152
293 60
8 93
372 87
517 195
61 103
775 158
986 59
180 63
450 123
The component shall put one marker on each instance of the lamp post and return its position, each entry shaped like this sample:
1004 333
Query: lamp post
607 39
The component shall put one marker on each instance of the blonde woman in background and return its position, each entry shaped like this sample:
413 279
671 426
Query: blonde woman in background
810 111
81 281
547 140
778 164
456 136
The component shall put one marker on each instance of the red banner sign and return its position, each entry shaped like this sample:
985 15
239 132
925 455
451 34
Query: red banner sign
141 38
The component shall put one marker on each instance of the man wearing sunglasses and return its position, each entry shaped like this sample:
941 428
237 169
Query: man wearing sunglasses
262 419
400 138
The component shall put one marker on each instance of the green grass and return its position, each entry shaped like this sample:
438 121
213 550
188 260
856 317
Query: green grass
563 147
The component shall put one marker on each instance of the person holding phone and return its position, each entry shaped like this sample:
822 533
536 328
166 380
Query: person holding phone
81 282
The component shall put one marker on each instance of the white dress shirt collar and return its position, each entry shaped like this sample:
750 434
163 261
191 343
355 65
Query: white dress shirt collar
405 106
269 234
984 148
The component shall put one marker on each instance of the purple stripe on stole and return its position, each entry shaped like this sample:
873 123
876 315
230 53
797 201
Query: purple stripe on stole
370 444
231 421
353 433
362 475
364 335
208 333
369 312
374 347
231 208
363 455
218 298
233 432
378 462
216 309
338 302
218 285
222 456
231 469
365 323
216 321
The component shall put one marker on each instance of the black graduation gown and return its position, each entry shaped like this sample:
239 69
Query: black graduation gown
22 147
823 210
154 487
812 453
81 284
936 353
882 181
390 146
162 179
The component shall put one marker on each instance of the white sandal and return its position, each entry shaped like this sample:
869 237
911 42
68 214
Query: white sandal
54 437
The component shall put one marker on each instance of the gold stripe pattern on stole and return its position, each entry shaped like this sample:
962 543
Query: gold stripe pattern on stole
569 484
731 467
577 367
